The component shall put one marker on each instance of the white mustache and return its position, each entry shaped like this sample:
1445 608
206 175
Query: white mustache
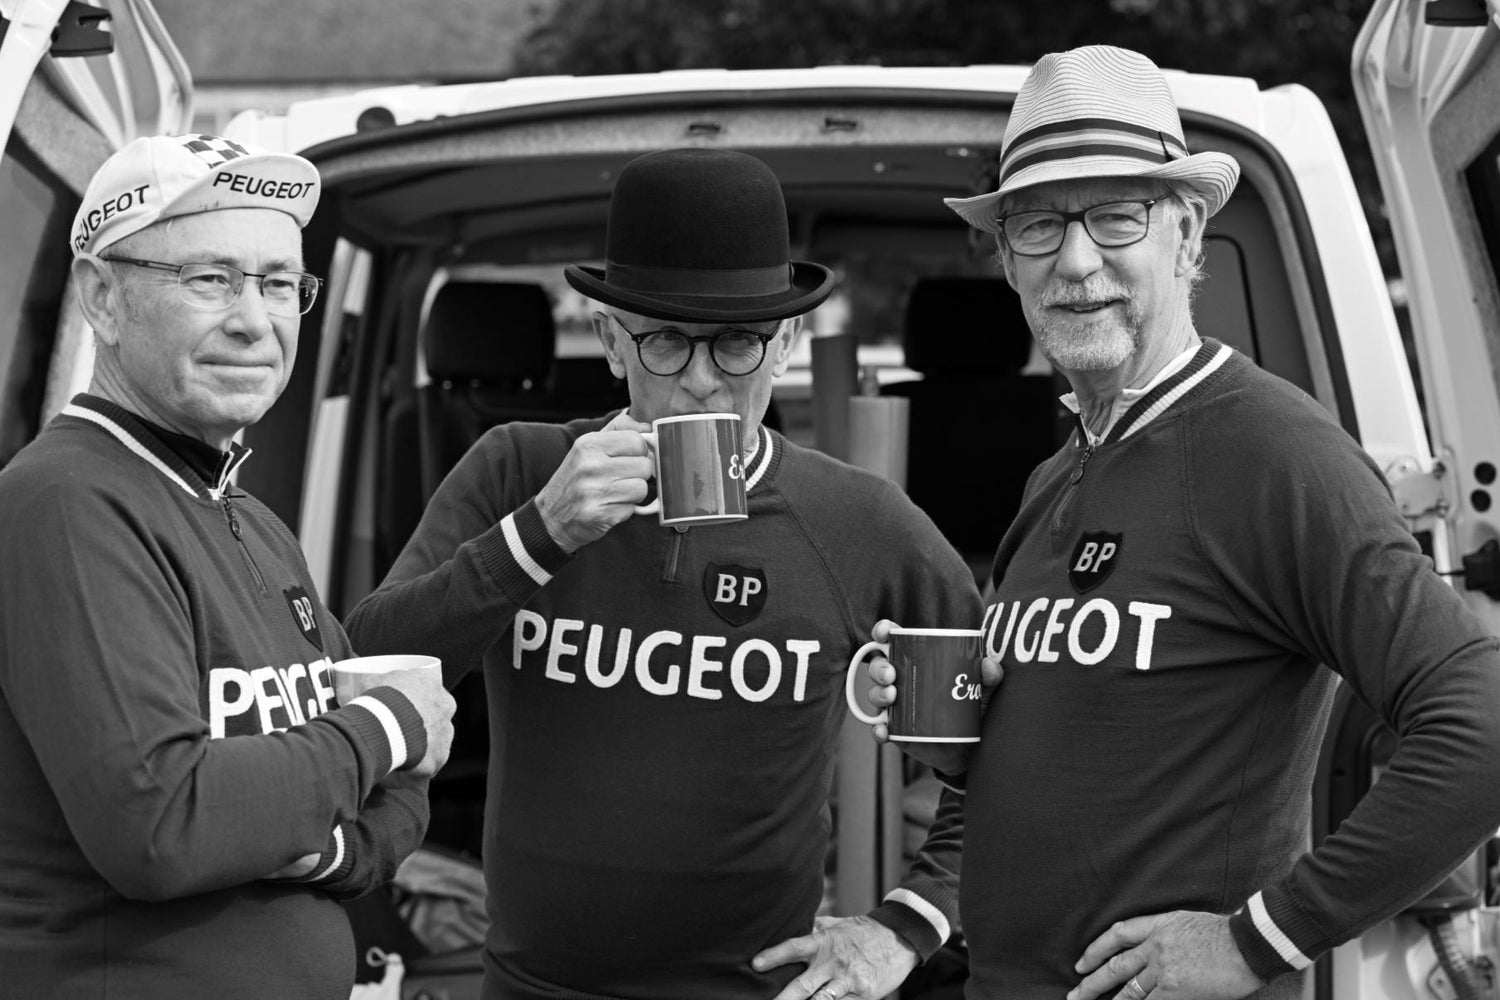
1080 295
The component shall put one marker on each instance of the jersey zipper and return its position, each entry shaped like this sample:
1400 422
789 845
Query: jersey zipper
1072 489
674 555
234 527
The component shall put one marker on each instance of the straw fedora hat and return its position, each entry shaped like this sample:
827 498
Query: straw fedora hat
1097 111
700 236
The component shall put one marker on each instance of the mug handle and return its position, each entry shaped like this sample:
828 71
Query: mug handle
849 681
655 505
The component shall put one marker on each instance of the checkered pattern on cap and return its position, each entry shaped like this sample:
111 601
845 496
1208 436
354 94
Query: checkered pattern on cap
213 150
1097 111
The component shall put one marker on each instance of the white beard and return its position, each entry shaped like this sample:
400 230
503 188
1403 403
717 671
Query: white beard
1087 344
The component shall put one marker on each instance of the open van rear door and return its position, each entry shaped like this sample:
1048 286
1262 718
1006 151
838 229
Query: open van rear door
1427 75
77 81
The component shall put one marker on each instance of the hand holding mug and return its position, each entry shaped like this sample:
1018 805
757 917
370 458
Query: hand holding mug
420 679
599 483
963 696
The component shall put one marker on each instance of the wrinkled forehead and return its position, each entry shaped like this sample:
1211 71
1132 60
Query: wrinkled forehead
262 236
1072 195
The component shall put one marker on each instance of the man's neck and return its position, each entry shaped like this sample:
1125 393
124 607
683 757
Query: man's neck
106 385
1098 393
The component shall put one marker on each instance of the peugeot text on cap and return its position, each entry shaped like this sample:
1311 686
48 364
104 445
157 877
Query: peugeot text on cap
159 177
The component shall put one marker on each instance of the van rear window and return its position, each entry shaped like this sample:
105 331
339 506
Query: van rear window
37 209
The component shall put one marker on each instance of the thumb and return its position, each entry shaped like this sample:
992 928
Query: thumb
990 672
623 421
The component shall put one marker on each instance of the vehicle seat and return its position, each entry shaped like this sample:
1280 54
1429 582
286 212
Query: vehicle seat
488 347
978 426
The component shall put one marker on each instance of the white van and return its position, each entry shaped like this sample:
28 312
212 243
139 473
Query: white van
449 213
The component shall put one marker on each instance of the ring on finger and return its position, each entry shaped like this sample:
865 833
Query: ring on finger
1136 988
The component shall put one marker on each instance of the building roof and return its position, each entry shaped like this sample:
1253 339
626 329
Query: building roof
313 41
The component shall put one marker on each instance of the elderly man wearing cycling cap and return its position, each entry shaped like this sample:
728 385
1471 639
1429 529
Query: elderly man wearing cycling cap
185 802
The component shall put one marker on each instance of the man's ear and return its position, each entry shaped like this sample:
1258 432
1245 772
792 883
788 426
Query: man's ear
1007 262
1190 227
784 345
96 283
604 328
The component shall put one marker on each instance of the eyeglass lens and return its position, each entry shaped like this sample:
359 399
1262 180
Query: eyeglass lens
1113 225
216 286
735 351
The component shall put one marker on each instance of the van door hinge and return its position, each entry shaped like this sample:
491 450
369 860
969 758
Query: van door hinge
1418 493
81 31
1482 569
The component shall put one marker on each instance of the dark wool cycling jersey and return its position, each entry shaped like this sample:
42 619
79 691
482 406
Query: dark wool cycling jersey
664 706
1164 600
169 735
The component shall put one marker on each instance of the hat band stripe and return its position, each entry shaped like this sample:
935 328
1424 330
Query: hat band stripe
1098 125
716 282
1074 152
1083 131
1090 138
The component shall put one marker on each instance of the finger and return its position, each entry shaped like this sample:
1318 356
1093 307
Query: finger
1134 988
1122 935
1112 978
625 441
881 671
990 672
834 989
804 987
882 630
624 421
797 949
882 697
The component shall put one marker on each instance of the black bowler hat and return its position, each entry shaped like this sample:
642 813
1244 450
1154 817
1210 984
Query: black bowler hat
700 236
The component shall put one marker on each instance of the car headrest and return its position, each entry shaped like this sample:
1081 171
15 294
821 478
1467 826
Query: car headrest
965 325
487 331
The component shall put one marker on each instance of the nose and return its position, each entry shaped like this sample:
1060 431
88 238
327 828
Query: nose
248 317
701 377
1078 257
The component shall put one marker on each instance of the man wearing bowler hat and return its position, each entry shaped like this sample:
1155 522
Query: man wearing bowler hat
1137 816
664 702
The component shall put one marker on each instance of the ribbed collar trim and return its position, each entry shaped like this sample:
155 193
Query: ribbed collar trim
1178 378
767 457
187 463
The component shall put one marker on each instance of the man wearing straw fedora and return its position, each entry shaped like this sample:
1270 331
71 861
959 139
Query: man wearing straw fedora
664 701
1137 815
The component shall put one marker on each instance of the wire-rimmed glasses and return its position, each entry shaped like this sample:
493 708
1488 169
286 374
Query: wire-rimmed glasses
217 286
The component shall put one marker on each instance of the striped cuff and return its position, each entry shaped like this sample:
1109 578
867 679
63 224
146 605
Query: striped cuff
394 729
335 862
1266 930
520 554
923 925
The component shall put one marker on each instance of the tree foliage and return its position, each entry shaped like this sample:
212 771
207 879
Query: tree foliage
1271 41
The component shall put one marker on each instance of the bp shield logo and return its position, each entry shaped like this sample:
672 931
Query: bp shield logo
304 615
1094 558
736 593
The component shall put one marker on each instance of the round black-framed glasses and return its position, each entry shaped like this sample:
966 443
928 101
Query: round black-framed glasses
218 286
668 351
1111 224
